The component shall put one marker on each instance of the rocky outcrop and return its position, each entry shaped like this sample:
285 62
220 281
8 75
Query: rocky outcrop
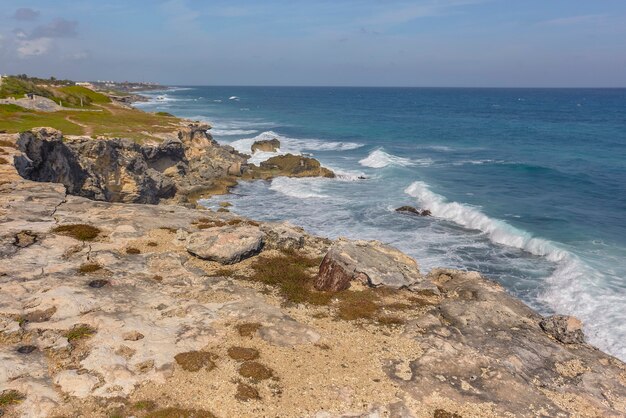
119 170
227 244
266 145
566 329
370 262
288 165
411 209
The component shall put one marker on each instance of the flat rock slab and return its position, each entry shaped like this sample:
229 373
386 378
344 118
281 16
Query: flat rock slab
226 244
371 262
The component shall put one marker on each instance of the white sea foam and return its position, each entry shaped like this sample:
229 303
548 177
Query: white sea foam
233 132
289 145
574 288
380 159
299 188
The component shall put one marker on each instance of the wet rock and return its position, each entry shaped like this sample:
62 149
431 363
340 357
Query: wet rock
566 329
266 145
371 262
411 209
226 244
293 166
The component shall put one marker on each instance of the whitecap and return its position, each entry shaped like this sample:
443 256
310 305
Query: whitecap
233 132
380 159
298 188
574 288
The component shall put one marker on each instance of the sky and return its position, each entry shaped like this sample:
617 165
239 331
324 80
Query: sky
427 43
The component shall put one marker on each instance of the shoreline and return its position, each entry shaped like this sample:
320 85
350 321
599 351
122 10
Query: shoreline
462 345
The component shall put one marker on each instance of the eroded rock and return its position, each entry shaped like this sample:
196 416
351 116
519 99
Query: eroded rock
566 329
371 262
226 244
266 145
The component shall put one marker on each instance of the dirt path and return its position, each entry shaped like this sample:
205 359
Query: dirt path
87 130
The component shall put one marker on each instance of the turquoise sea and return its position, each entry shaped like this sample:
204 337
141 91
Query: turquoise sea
527 186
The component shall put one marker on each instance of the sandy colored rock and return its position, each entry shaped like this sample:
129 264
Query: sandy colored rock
226 244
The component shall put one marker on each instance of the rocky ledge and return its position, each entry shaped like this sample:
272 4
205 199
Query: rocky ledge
116 309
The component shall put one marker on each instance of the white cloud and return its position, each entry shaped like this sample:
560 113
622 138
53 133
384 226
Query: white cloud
33 47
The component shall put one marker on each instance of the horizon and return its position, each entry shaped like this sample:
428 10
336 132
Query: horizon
357 43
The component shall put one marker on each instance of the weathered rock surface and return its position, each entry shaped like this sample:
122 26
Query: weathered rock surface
119 170
226 244
370 262
467 348
288 165
566 329
266 145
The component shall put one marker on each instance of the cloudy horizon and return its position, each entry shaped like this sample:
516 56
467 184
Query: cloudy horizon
424 43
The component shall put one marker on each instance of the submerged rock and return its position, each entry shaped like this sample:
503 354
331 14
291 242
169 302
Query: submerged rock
266 145
566 329
411 209
371 262
226 244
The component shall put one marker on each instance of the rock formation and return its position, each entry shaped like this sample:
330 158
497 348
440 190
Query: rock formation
288 165
411 209
104 309
266 145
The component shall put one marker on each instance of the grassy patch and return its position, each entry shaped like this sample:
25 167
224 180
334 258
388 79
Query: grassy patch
180 413
357 305
166 114
10 397
246 393
15 119
79 332
88 95
255 371
89 268
144 405
80 232
248 329
289 272
243 353
193 361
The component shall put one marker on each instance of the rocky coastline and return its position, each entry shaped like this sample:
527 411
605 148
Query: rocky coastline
119 296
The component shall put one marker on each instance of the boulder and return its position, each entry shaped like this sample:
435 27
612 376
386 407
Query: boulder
295 166
226 244
373 263
266 145
566 329
283 236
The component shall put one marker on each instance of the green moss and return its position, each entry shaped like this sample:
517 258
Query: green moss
255 371
290 274
193 361
180 413
248 329
243 353
89 268
10 397
80 232
79 332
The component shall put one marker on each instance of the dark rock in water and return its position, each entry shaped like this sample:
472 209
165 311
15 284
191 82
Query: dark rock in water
267 145
566 329
362 178
411 209
26 349
97 284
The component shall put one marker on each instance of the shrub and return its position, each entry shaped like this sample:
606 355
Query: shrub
255 371
246 392
192 361
243 353
10 397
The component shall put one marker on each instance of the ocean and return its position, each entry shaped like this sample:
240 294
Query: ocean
526 186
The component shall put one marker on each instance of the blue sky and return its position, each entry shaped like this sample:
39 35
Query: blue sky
517 43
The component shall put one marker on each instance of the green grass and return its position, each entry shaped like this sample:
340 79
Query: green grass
10 397
78 332
164 114
15 87
88 95
78 231
16 119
